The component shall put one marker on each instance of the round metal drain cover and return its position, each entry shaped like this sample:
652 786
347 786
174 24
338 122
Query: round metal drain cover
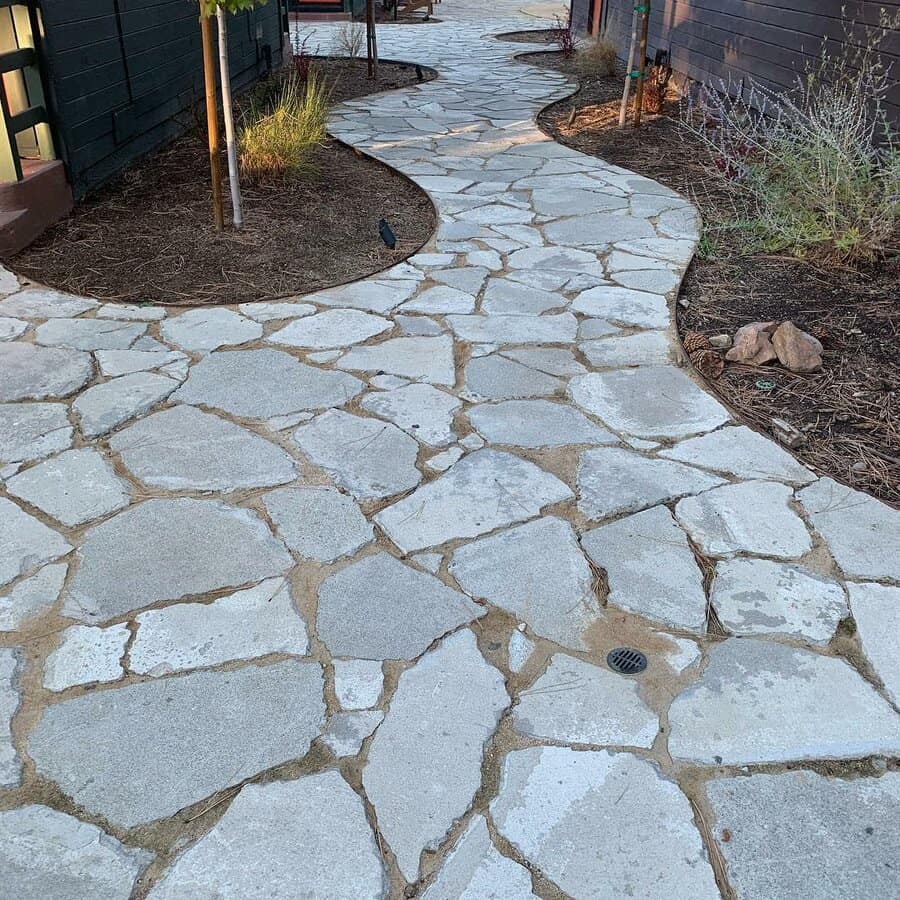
626 661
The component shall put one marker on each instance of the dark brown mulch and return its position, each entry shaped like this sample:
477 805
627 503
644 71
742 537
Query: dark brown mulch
147 235
850 411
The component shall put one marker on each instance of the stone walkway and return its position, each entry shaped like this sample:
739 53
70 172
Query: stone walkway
314 598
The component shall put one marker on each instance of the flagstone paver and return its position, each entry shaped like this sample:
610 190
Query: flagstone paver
298 630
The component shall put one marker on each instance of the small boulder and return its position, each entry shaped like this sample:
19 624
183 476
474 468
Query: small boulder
797 350
753 344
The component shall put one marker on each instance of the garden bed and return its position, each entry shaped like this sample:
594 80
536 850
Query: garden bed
147 236
848 412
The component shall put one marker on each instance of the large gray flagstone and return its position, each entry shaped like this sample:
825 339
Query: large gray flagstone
30 431
41 303
559 328
142 752
575 702
10 764
347 731
537 573
11 328
552 360
89 334
475 870
876 611
261 848
748 517
49 855
636 308
419 358
424 763
31 597
129 312
441 300
804 836
377 296
103 407
421 410
564 258
124 362
758 596
481 492
595 229
183 448
318 522
572 201
369 458
379 608
614 480
209 329
25 542
30 372
536 423
498 378
648 402
275 311
650 568
740 451
166 550
332 328
504 297
862 533
74 487
602 825
467 278
646 348
764 702
260 384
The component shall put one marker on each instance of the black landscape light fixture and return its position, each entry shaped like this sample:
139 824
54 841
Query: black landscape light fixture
387 234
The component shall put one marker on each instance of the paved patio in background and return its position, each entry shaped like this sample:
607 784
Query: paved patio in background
314 598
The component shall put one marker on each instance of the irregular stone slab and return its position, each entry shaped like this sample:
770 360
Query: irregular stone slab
750 517
556 329
425 759
538 573
183 448
536 423
30 431
758 596
25 542
332 328
31 372
318 522
403 610
614 480
369 458
166 550
504 297
860 531
105 406
574 702
245 625
11 328
358 682
498 378
419 358
125 362
799 834
650 568
417 325
31 597
556 258
554 802
474 868
89 334
441 300
74 487
420 410
209 329
552 360
468 279
86 655
259 384
144 751
740 451
47 854
876 611
129 312
377 296
10 764
638 309
262 849
271 312
481 492
347 731
40 303
597 229
649 402
761 702
646 348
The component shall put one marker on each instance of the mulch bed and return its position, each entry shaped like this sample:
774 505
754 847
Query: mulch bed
848 411
147 236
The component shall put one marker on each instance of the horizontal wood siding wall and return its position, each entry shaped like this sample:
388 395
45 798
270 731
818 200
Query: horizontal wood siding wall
124 75
769 40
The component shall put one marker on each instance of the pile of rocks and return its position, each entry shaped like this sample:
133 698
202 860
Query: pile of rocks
763 342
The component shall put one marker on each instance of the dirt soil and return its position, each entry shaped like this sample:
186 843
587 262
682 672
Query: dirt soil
147 237
850 411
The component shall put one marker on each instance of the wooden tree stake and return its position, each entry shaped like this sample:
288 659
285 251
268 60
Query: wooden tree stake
642 63
212 118
626 90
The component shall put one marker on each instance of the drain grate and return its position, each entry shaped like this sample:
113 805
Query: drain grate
626 661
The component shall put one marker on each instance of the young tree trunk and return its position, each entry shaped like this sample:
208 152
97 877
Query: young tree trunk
642 63
371 40
212 118
228 111
626 90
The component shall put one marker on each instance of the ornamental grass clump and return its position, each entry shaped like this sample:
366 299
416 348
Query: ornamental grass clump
277 140
815 171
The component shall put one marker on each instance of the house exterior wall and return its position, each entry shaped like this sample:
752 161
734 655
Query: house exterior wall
124 75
